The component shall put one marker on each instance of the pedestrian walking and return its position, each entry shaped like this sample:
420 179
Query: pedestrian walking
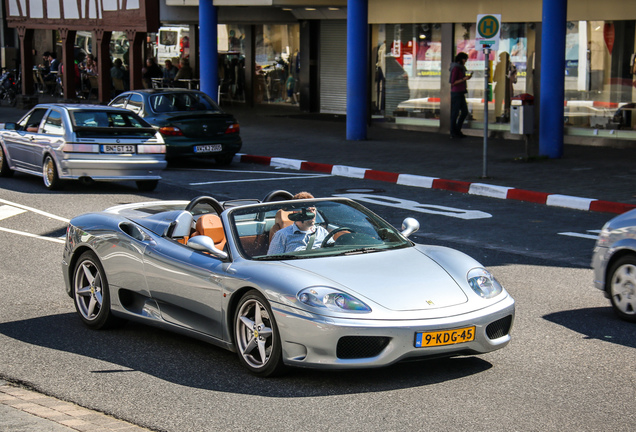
459 108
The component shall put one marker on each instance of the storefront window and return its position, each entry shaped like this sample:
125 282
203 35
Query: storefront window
510 79
277 64
406 87
231 63
599 89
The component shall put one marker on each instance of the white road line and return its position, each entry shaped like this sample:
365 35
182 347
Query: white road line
254 180
241 171
573 234
34 210
26 234
7 211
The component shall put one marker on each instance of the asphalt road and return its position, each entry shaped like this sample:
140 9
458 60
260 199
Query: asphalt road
568 367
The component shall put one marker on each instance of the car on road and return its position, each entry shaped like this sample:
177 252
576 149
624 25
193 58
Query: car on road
614 264
86 142
191 123
363 296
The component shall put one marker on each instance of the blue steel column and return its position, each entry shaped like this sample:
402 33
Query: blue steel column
357 63
208 48
552 78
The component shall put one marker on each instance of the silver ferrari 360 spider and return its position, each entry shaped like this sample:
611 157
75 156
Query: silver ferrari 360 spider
321 283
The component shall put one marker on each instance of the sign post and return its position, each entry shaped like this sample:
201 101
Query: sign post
488 32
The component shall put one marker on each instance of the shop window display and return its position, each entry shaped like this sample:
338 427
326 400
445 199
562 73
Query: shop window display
600 96
278 64
510 78
406 87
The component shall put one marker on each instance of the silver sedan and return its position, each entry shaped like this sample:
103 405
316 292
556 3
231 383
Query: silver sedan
614 264
342 288
87 142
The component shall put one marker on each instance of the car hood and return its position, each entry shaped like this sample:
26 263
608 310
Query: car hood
398 280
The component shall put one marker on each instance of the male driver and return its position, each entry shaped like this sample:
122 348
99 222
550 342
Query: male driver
303 234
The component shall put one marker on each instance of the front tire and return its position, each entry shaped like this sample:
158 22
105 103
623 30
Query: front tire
91 294
49 173
621 287
256 335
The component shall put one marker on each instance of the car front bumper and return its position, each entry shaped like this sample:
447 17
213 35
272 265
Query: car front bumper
310 340
599 265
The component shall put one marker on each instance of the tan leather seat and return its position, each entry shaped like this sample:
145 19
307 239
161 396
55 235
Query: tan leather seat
281 220
210 225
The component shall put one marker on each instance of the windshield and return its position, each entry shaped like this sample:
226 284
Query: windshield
182 101
311 228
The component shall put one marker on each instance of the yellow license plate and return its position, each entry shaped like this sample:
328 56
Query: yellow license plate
444 337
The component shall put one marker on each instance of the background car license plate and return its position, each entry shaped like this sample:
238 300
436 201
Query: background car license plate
208 148
119 148
445 337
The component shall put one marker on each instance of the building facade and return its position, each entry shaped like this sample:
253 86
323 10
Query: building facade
294 52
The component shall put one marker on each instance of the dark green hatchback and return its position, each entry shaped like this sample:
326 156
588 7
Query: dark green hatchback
191 123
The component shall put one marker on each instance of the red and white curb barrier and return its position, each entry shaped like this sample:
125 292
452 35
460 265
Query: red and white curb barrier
481 189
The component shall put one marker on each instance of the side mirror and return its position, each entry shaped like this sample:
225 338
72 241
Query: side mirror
409 226
205 244
10 126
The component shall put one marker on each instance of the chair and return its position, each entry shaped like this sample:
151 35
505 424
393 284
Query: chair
180 229
157 83
281 220
118 85
210 225
38 82
94 86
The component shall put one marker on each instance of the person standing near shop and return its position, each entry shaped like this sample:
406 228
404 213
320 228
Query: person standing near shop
459 108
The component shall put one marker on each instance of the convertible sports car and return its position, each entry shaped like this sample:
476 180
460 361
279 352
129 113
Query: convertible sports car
362 296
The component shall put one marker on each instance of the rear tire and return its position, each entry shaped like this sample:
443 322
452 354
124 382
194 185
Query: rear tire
224 160
147 185
5 171
49 173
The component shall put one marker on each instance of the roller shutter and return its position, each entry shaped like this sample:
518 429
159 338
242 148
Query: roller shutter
333 66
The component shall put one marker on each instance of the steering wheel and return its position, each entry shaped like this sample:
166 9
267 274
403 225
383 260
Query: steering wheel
332 233
205 200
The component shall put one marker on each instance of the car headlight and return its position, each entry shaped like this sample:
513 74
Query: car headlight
604 236
483 283
332 299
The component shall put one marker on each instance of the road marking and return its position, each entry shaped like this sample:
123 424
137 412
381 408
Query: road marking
34 210
418 207
7 211
259 179
26 234
581 235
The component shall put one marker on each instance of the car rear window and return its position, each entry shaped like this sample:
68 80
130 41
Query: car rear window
176 102
91 123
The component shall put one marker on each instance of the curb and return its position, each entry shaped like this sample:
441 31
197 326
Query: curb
480 189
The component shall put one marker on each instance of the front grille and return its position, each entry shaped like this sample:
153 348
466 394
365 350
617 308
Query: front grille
499 328
352 347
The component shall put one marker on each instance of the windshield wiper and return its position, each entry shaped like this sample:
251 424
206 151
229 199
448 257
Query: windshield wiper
363 250
277 257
